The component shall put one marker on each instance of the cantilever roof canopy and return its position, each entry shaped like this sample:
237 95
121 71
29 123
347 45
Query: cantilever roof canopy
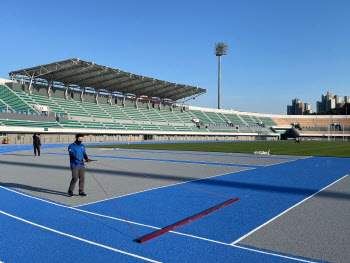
83 74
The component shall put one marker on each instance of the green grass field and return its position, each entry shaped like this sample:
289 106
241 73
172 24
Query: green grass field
330 149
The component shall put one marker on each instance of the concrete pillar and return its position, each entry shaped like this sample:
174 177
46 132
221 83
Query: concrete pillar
66 93
49 90
82 95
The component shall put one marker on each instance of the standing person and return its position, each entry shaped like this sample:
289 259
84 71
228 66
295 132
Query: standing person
36 143
77 153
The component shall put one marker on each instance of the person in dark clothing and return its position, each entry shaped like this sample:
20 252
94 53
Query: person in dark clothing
36 143
77 153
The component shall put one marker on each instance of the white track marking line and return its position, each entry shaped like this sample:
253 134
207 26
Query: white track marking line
195 153
245 248
228 154
288 161
274 254
153 227
245 169
183 162
73 208
78 238
272 219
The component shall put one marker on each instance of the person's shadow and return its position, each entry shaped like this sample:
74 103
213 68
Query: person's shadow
33 188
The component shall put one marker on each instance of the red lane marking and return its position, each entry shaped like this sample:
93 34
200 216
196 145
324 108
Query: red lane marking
183 222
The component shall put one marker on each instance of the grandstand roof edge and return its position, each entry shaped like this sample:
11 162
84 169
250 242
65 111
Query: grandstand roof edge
270 115
85 74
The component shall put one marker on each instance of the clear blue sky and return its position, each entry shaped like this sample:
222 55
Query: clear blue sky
278 49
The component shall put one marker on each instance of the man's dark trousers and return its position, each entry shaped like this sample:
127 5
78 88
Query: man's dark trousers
77 172
36 148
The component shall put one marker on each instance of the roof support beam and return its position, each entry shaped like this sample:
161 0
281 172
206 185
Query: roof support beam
97 80
174 93
114 84
84 71
131 84
155 92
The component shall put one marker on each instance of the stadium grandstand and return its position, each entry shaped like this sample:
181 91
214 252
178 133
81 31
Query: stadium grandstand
76 96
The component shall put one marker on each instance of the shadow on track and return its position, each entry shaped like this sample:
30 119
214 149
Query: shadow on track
184 179
33 188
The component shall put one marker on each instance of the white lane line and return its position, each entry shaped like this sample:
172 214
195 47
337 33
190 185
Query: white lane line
272 219
274 254
183 162
245 248
76 209
287 161
198 153
78 238
245 169
153 227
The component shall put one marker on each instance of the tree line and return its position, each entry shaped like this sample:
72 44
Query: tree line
339 111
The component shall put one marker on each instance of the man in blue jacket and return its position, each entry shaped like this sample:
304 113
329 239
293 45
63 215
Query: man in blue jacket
77 153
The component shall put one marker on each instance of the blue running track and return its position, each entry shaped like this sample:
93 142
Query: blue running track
36 230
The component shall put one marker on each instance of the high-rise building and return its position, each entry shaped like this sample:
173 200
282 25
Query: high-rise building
296 108
307 109
329 102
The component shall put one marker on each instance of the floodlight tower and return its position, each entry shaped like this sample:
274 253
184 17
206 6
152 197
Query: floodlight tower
220 50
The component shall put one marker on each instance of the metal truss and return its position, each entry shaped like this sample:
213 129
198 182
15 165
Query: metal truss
78 74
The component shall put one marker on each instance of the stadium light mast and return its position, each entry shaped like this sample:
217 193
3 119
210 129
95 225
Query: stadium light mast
220 50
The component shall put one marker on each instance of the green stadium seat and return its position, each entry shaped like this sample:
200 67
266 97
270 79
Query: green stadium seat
169 116
216 118
150 127
225 130
183 116
21 123
114 126
71 107
132 126
152 115
16 102
92 125
248 120
234 119
115 112
45 101
196 129
201 116
167 128
94 109
268 121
